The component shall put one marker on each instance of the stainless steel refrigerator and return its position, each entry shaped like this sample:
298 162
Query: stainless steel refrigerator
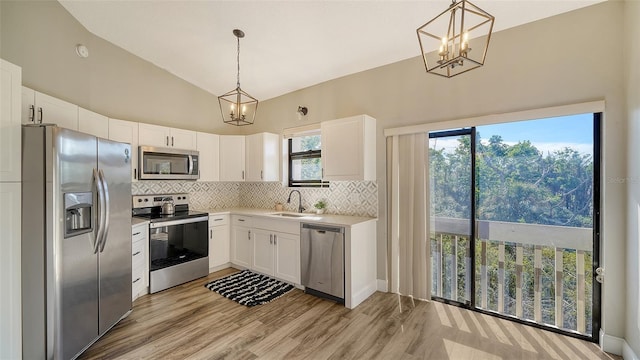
76 240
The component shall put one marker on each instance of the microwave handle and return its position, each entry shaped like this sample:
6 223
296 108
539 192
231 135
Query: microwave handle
190 165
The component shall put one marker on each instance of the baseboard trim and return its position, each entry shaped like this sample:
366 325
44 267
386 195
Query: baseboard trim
612 344
628 353
361 296
382 286
220 267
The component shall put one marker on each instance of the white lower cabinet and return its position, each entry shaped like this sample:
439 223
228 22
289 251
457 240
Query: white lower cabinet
10 270
263 252
287 251
219 243
276 249
241 241
139 260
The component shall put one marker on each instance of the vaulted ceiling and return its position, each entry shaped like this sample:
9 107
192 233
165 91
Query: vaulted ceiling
288 45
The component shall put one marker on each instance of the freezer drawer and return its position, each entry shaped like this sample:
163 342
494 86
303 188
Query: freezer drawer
322 260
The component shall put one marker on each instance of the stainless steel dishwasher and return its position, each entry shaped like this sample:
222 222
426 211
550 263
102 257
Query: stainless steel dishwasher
322 260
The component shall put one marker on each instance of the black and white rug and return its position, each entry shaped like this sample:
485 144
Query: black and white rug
248 288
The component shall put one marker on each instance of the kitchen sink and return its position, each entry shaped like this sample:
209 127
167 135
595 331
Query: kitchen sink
293 215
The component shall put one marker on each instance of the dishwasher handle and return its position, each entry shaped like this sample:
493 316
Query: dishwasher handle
323 228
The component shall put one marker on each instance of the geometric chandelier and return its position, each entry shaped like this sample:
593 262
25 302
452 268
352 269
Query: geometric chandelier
237 107
447 41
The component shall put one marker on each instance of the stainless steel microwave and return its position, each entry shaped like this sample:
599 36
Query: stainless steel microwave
168 164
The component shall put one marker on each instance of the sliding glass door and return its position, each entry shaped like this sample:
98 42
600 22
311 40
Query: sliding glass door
451 206
518 201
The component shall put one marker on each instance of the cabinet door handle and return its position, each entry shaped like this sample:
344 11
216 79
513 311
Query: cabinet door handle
240 219
275 239
242 174
41 112
210 234
138 233
136 253
172 141
220 220
249 235
167 140
261 177
135 174
136 280
32 113
270 239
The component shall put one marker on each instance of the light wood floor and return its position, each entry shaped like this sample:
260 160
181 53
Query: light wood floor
192 322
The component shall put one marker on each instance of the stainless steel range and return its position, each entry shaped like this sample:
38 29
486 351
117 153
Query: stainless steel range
178 241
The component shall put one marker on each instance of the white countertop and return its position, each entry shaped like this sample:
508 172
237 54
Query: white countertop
342 220
137 221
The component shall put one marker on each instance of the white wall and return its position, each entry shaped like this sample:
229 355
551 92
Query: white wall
632 76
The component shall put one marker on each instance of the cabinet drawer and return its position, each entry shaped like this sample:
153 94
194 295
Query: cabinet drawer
138 233
218 220
241 220
137 250
137 285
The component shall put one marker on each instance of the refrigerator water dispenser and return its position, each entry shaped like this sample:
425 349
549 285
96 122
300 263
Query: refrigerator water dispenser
77 212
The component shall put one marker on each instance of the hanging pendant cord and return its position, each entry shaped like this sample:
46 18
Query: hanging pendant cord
238 60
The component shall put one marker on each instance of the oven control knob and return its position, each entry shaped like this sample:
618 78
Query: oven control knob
145 200
139 200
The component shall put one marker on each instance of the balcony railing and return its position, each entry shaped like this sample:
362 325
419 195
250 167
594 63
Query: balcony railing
539 273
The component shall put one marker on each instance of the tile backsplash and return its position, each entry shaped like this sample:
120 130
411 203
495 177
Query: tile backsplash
203 195
359 198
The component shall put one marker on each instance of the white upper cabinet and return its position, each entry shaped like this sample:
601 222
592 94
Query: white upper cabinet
349 149
262 157
39 108
10 127
93 123
126 132
232 166
162 136
208 147
183 139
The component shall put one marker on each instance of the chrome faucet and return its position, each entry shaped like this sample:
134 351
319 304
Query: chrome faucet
300 208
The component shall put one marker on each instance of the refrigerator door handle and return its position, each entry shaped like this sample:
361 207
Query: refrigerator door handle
107 206
101 212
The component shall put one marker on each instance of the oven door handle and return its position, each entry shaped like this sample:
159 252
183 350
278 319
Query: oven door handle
178 222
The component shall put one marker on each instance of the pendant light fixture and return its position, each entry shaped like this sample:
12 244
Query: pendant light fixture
237 107
456 41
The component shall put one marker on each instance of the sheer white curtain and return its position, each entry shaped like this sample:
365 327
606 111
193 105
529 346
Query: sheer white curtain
409 245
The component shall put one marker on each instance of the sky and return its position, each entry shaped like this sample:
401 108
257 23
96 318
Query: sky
548 135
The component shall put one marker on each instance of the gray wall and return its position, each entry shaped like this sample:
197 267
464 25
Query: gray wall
41 36
570 58
632 49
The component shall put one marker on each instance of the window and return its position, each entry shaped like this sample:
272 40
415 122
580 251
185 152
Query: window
305 161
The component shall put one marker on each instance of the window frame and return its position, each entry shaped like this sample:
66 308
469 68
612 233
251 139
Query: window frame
309 154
